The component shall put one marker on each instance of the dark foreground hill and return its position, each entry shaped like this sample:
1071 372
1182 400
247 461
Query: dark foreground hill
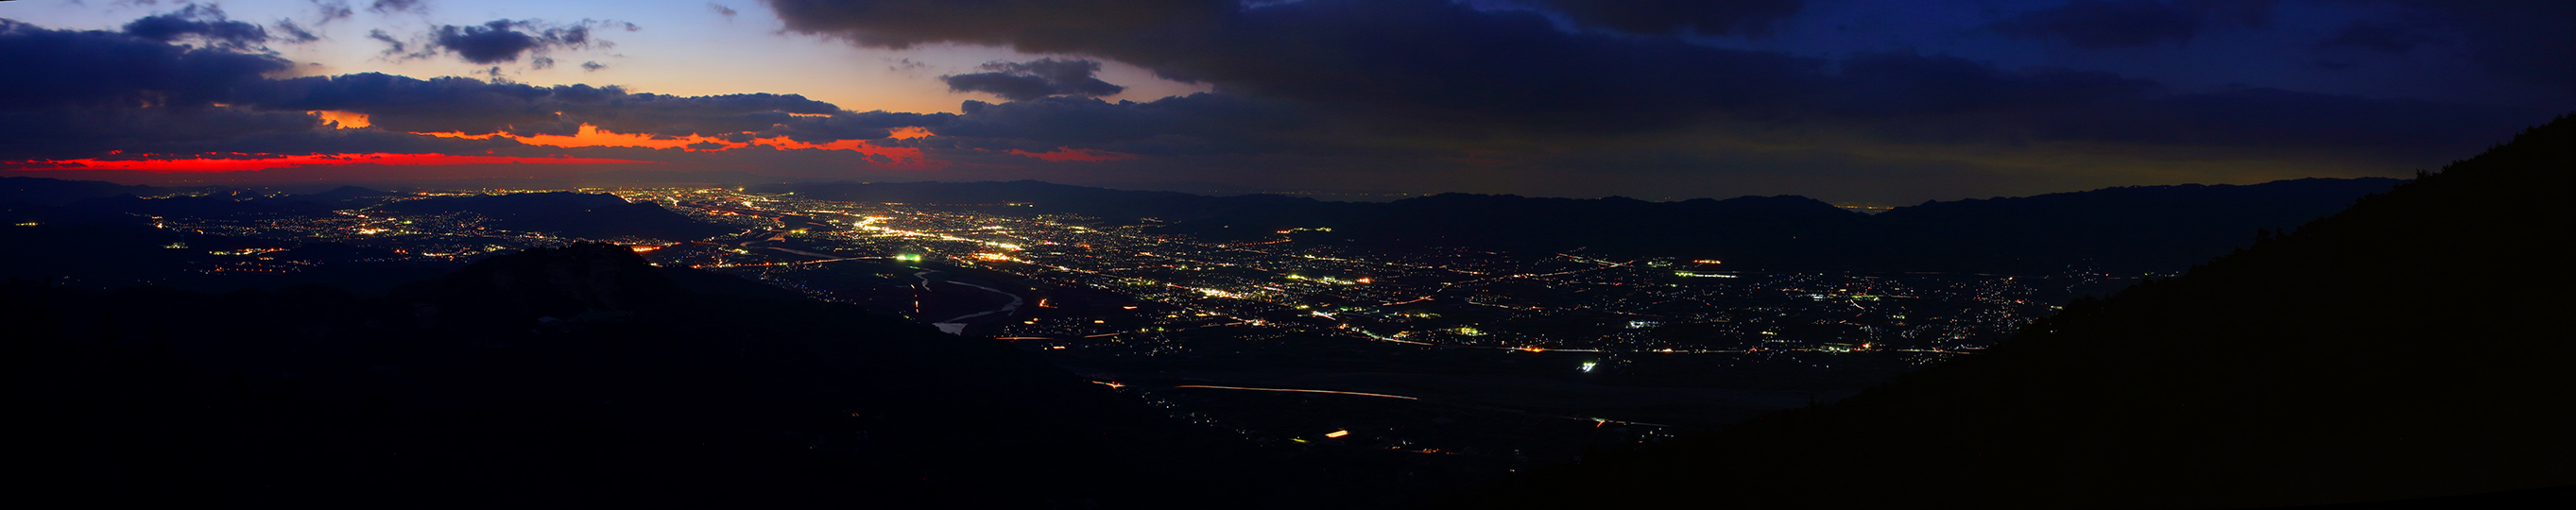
2411 346
2130 229
581 215
575 378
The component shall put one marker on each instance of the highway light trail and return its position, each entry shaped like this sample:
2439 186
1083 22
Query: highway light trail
1297 391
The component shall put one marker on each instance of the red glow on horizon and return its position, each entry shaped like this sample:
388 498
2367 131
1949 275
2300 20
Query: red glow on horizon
269 161
1062 154
910 158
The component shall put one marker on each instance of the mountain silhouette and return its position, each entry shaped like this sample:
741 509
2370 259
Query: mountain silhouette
39 190
2407 347
2127 230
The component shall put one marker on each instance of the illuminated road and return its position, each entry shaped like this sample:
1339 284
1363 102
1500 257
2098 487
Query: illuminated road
1005 309
1596 421
1297 391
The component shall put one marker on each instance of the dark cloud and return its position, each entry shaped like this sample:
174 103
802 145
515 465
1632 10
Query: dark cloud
393 47
1193 124
2385 36
84 93
2106 23
394 6
76 93
721 10
201 23
474 106
2522 40
2127 23
2275 119
1403 59
1670 16
332 10
295 33
1368 75
1035 79
1874 85
63 68
1040 26
1363 86
504 40
593 65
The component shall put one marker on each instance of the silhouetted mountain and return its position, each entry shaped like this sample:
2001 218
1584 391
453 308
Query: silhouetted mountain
2139 228
2410 346
578 377
198 206
2152 228
580 215
1043 197
39 190
344 194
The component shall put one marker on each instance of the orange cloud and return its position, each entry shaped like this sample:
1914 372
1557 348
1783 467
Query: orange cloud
908 133
342 120
1061 154
593 136
897 157
268 161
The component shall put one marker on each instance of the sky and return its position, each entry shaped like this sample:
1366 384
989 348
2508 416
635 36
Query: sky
1852 101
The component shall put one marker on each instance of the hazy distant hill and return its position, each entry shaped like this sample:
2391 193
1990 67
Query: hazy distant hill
578 377
198 206
1753 230
2147 228
581 215
2410 346
39 190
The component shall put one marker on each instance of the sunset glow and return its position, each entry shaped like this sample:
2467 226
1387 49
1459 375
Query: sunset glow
248 162
593 136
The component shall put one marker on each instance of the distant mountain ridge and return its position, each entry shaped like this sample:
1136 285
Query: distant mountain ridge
2410 346
44 191
2129 229
583 215
2125 230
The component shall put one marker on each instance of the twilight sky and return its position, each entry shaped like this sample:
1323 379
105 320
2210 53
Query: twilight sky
1856 101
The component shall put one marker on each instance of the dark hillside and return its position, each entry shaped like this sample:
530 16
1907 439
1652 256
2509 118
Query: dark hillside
570 378
2411 346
